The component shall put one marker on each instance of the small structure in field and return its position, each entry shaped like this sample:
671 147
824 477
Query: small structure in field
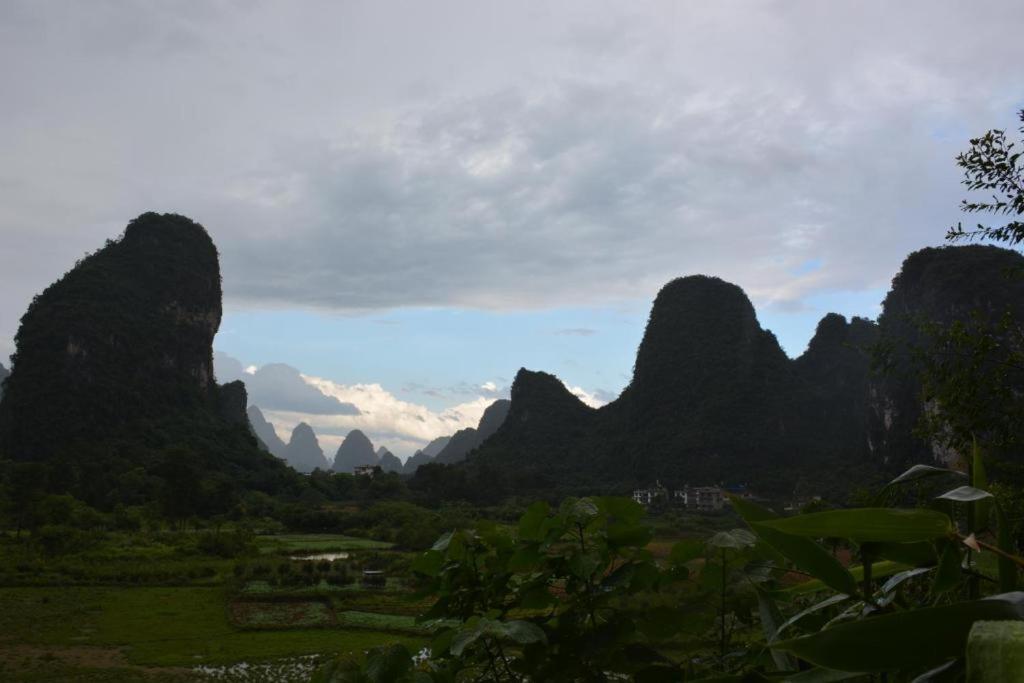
704 498
364 470
649 496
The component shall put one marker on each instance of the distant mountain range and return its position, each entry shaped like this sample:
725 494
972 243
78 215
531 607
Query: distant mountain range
304 454
388 461
466 440
715 399
113 373
355 450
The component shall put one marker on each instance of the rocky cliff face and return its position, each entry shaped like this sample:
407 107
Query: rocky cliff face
941 286
466 440
125 335
113 363
303 452
355 450
714 399
265 432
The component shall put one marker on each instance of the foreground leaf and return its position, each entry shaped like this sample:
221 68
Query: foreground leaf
965 494
802 552
902 640
915 473
867 524
879 570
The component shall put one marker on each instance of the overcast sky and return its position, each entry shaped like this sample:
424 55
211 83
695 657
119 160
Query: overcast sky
425 196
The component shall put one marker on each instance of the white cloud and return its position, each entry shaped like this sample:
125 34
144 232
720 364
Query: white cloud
594 400
389 421
497 156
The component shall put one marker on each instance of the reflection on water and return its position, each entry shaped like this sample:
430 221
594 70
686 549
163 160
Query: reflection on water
322 556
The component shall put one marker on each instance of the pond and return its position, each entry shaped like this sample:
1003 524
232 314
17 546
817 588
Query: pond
331 557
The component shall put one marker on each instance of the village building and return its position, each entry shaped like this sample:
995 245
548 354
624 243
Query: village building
364 470
700 498
649 496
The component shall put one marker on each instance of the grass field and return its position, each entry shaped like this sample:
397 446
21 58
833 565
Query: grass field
301 543
102 633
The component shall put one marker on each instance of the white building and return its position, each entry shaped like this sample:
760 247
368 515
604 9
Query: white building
647 496
364 470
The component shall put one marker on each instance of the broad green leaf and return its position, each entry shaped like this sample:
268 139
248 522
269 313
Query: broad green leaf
629 534
923 472
817 607
915 473
867 524
965 494
522 632
950 671
582 511
623 509
889 590
685 551
918 554
802 552
525 558
751 512
896 579
771 619
429 563
442 543
879 570
810 557
530 523
902 640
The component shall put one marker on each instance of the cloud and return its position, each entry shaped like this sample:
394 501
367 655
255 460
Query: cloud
280 387
521 156
400 425
593 399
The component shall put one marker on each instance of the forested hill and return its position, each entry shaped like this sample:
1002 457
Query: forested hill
939 286
714 399
113 364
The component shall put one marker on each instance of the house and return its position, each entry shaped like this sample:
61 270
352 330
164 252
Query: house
648 496
364 470
705 498
701 498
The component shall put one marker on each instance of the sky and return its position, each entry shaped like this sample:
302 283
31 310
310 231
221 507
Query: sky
413 200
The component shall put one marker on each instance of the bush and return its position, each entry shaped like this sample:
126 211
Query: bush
223 545
54 539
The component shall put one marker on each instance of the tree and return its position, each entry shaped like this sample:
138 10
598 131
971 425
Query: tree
181 494
27 485
973 368
992 164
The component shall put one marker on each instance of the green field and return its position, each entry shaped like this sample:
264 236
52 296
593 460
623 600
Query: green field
115 632
313 543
